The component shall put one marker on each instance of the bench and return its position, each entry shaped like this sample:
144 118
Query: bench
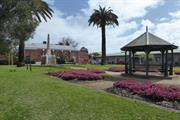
152 68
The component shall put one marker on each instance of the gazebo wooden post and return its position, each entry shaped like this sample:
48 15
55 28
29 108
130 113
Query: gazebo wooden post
162 59
166 64
126 65
130 62
133 60
172 63
147 63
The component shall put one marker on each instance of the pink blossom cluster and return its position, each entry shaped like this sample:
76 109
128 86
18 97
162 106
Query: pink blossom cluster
117 69
95 71
177 73
89 74
149 90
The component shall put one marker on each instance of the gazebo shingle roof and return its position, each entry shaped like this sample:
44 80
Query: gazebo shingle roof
148 39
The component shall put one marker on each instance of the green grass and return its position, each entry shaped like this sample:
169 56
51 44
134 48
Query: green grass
33 95
104 67
176 69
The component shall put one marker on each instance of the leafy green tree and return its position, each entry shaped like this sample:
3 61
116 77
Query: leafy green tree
23 31
102 18
8 49
19 18
37 8
94 55
4 46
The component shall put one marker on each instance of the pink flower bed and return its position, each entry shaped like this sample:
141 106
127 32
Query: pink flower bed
89 74
149 90
95 71
177 73
117 69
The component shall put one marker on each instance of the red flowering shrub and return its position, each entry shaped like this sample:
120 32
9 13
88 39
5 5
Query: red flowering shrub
149 90
125 83
68 76
117 69
177 73
90 74
95 71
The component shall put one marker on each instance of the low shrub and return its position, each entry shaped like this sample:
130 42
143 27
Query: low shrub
177 73
89 74
149 90
95 71
116 69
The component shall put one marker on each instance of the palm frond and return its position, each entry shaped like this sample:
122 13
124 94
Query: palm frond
103 17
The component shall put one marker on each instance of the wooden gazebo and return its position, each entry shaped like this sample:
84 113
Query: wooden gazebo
147 43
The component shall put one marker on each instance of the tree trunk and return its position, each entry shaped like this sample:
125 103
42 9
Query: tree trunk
20 62
103 57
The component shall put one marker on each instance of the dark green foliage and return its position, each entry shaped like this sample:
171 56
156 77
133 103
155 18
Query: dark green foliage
103 17
83 49
4 46
19 18
61 60
94 55
11 8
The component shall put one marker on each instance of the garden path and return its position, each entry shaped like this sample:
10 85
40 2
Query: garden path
173 80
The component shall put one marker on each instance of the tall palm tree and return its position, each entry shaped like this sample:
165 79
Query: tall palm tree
102 18
22 11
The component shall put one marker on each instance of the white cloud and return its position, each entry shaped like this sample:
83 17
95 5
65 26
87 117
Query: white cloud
175 14
126 9
169 31
90 37
147 23
163 19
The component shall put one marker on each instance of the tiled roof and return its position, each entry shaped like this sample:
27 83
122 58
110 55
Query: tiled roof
139 53
52 46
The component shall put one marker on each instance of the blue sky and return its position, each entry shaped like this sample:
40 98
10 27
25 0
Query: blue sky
70 7
71 16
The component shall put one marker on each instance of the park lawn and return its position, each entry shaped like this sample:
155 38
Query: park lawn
100 67
176 69
33 95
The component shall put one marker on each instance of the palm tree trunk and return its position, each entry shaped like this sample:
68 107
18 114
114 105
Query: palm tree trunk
20 62
103 57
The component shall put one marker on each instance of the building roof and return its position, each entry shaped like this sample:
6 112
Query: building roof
149 41
115 54
34 46
138 53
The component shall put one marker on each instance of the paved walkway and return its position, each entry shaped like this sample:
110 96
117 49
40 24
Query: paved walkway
114 76
173 80
78 68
